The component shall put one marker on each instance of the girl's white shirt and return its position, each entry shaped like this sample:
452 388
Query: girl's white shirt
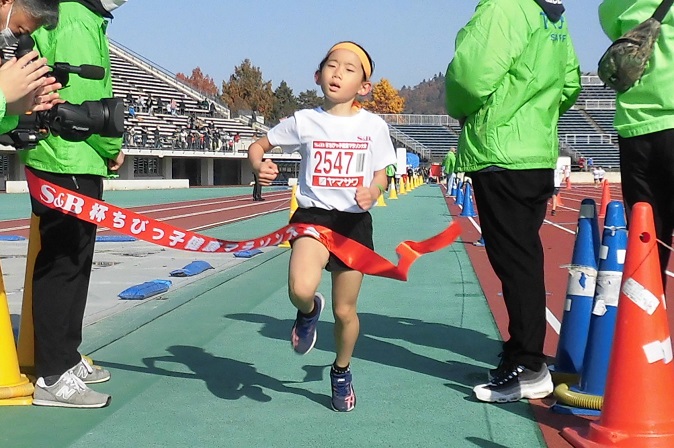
338 155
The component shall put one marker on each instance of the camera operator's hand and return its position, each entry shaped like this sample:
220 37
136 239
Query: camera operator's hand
21 81
116 163
47 97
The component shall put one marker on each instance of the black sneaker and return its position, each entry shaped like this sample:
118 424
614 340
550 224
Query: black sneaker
515 384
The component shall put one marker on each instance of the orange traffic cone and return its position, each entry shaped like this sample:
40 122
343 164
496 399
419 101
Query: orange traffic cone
568 182
559 199
605 198
293 207
638 411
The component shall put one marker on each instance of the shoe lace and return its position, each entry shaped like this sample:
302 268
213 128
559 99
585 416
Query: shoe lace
341 386
505 375
74 382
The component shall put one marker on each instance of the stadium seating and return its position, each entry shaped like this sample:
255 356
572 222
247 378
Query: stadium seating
586 130
133 77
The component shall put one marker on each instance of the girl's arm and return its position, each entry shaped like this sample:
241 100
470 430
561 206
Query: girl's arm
265 170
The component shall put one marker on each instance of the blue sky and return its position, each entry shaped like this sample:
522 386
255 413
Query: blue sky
408 40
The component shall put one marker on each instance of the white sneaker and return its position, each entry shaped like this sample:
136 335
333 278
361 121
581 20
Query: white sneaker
515 384
68 392
90 374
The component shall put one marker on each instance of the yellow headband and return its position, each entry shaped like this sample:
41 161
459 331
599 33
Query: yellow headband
364 60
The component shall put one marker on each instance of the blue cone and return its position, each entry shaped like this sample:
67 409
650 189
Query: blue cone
467 210
604 312
579 293
459 195
454 189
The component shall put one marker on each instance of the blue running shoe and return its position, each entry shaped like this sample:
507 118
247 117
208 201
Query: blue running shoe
343 395
303 334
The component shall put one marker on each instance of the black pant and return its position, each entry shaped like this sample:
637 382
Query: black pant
511 207
647 175
257 190
61 277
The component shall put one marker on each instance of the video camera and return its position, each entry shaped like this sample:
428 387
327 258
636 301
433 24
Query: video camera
72 122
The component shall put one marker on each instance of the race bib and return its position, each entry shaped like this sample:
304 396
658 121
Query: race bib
338 164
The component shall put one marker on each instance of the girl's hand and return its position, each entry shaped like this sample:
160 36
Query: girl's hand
364 197
267 171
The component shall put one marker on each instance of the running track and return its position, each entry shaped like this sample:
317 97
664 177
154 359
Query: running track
558 235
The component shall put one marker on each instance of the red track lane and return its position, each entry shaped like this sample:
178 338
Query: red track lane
191 215
558 237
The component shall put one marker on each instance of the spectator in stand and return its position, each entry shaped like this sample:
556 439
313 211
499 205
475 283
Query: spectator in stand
132 111
229 141
174 107
143 137
130 135
181 107
590 164
211 109
582 166
159 105
157 137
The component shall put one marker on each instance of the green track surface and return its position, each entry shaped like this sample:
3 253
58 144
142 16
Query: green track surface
211 364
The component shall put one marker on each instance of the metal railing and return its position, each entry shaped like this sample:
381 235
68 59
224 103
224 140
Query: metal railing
418 119
573 139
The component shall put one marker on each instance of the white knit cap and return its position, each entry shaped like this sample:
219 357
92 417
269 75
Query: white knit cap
111 5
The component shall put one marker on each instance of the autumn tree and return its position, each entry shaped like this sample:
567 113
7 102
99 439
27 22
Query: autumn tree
427 97
309 99
199 81
385 99
246 90
285 103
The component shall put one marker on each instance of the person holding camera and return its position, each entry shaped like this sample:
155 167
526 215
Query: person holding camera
24 85
63 264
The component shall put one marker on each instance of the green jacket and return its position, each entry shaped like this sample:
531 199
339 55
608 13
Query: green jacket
648 106
513 74
449 162
78 39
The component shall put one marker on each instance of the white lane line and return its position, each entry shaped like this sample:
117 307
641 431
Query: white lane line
549 316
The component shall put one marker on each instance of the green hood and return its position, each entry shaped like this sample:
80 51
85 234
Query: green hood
513 73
